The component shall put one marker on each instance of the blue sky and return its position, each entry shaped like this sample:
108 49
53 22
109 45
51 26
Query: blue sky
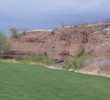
47 14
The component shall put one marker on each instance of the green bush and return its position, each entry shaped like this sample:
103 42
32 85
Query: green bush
47 62
74 64
14 31
40 58
77 62
4 45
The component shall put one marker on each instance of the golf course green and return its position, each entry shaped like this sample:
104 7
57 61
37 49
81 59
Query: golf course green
32 82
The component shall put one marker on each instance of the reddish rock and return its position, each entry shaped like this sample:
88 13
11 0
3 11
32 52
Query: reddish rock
63 42
71 39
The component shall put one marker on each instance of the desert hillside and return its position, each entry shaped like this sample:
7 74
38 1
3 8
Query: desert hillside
65 42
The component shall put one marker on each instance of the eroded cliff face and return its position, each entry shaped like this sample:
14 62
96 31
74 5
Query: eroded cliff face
64 42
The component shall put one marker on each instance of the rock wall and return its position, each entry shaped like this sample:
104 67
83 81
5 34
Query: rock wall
63 42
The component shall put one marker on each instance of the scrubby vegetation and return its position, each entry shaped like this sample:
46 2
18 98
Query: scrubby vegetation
77 62
40 58
4 45
14 31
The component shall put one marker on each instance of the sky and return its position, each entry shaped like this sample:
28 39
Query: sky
48 14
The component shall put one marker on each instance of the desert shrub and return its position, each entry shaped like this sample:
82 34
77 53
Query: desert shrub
77 62
70 64
4 45
40 58
14 31
33 57
47 62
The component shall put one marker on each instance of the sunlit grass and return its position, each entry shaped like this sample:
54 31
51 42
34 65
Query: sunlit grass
32 82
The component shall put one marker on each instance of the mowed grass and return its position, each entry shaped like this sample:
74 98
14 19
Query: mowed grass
30 82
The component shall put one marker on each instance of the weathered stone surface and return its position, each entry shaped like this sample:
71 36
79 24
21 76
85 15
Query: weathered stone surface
63 42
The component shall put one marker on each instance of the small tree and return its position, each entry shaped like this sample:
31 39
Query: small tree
4 45
14 31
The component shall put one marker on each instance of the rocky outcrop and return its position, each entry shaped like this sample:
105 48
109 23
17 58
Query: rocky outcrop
64 42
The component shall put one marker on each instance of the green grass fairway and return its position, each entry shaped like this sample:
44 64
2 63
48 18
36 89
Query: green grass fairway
30 82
